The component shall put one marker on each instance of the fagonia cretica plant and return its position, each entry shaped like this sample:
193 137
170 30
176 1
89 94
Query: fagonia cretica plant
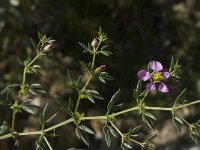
154 77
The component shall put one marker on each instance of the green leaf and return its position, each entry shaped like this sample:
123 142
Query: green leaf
149 115
4 128
9 87
51 118
74 79
178 119
89 96
135 130
26 62
28 107
137 91
63 106
45 111
171 64
151 137
106 53
118 107
84 65
70 104
113 100
95 94
112 131
82 135
126 146
83 45
86 129
103 77
180 98
36 88
107 135
177 122
148 120
103 47
194 136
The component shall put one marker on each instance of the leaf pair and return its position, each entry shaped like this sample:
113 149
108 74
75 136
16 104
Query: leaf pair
148 118
44 115
108 132
113 101
82 133
28 107
103 77
91 95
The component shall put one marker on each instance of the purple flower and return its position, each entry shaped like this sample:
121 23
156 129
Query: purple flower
155 77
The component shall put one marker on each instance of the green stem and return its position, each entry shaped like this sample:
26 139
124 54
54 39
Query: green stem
118 131
96 118
186 122
13 119
134 141
158 108
26 66
122 135
188 104
124 111
23 85
86 84
77 103
48 144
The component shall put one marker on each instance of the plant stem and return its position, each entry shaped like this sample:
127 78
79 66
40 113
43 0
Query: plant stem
188 104
118 131
87 82
22 87
77 103
26 66
122 135
96 118
186 122
134 141
13 119
48 144
158 108
124 111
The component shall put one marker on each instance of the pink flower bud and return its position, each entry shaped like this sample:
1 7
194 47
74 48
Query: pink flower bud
94 43
48 47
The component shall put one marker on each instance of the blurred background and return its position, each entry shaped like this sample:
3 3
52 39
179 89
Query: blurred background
140 31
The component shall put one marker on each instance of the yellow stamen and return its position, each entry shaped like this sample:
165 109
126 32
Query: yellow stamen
157 77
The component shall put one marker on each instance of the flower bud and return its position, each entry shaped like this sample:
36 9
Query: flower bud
94 42
100 69
48 47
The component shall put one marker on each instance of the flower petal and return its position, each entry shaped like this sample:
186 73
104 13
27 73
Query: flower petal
163 88
143 75
156 66
165 75
151 86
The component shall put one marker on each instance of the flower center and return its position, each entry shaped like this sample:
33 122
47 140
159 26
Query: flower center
157 77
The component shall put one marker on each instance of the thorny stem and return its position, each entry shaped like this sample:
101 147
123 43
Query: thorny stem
96 118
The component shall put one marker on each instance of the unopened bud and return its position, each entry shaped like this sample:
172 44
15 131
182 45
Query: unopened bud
94 42
100 69
48 47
